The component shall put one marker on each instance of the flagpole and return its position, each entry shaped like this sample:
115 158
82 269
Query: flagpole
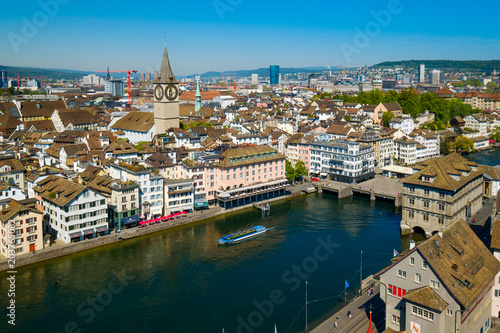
306 306
361 275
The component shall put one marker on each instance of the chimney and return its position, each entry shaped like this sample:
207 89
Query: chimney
412 244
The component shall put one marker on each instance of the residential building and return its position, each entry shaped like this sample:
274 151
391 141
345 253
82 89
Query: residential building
405 124
12 171
478 123
72 212
441 192
27 223
495 248
442 285
150 185
344 161
180 196
8 191
405 150
382 145
380 109
435 76
115 87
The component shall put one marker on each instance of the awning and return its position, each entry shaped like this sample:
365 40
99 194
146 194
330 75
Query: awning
88 231
175 209
324 174
169 216
157 219
200 204
101 229
130 220
187 208
75 234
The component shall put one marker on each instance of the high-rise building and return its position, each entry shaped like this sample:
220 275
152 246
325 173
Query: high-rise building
166 97
148 76
115 87
156 75
3 79
421 73
92 79
255 78
435 76
142 77
274 74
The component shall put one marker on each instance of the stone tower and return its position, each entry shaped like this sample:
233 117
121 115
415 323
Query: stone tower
166 97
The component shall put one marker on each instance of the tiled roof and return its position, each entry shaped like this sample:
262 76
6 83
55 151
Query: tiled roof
427 297
495 234
249 155
442 168
41 108
461 261
135 121
121 147
205 95
13 209
58 190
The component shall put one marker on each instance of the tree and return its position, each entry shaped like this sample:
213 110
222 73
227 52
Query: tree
410 102
495 134
290 171
386 118
390 97
444 146
463 144
300 169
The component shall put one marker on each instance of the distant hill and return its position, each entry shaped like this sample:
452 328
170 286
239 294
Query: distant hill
461 65
262 72
56 74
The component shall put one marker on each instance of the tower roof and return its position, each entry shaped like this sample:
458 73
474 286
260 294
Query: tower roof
166 75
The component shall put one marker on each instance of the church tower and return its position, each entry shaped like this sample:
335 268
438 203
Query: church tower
166 97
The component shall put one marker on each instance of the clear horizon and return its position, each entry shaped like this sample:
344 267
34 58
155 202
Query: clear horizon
225 35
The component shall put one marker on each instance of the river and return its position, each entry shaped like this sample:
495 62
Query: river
180 280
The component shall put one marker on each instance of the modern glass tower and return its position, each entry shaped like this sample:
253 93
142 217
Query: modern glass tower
274 74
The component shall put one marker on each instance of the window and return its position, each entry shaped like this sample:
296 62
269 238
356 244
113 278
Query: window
401 273
441 220
395 319
441 195
411 215
441 207
435 284
412 201
418 278
424 265
426 218
426 204
412 261
412 190
449 312
426 192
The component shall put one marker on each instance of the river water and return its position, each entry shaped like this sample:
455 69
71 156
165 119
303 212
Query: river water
180 280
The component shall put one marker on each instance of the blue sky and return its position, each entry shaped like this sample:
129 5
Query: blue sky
242 34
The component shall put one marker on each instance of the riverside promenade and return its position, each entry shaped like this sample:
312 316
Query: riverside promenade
60 249
360 313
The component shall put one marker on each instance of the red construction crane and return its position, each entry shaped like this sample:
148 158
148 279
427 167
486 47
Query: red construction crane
129 85
225 75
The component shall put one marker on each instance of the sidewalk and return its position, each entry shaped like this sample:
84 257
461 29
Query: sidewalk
360 314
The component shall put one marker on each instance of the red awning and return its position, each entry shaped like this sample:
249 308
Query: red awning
177 214
149 221
157 219
143 222
169 216
163 218
183 212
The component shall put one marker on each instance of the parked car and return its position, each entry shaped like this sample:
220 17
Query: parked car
315 179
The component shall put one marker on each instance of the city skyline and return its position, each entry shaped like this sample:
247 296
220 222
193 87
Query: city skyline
224 35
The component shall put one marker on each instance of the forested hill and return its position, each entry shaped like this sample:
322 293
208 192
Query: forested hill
460 65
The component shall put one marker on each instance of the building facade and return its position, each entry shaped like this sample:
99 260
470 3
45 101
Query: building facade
441 192
345 161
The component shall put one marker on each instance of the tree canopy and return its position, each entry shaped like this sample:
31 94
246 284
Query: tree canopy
295 172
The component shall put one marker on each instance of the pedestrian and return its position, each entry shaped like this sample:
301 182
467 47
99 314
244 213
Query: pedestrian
335 324
349 314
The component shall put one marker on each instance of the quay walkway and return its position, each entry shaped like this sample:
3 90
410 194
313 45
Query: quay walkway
360 313
378 188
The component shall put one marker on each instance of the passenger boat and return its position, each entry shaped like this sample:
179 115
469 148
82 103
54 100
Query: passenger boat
241 235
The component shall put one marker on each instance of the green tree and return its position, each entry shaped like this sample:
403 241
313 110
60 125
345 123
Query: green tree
444 146
374 97
386 118
410 102
463 144
495 134
300 169
390 97
290 171
491 87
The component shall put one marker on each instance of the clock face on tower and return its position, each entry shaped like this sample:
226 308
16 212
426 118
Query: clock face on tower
158 93
171 92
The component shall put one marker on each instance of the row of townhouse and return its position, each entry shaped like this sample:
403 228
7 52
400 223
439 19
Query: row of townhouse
482 124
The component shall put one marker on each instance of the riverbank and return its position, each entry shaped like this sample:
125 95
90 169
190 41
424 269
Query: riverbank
59 250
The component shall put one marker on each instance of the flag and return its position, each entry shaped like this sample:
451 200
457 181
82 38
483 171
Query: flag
396 253
346 284
275 330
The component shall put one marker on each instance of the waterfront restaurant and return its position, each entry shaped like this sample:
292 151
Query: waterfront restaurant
245 195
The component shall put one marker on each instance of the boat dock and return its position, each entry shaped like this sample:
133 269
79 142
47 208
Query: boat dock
378 188
263 206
